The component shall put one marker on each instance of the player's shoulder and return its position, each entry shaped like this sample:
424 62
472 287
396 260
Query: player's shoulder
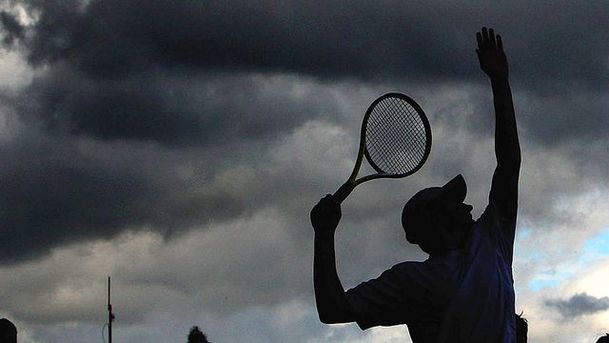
495 215
425 275
407 265
410 269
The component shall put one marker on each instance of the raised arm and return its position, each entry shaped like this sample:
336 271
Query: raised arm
332 304
493 61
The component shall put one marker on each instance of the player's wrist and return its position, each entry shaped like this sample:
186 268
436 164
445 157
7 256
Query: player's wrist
325 236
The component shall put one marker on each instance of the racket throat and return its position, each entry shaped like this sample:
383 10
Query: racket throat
343 192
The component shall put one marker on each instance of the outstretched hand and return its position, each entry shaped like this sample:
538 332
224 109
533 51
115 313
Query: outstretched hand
491 55
325 217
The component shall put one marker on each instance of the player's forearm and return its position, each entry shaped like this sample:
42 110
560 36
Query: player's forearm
332 305
507 146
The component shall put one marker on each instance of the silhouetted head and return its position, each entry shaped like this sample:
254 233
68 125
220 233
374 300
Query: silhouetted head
197 336
436 218
522 329
8 331
603 339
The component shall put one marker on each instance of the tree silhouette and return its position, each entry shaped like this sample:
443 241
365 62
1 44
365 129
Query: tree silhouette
197 336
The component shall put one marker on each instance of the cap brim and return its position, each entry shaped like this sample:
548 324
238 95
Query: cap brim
455 188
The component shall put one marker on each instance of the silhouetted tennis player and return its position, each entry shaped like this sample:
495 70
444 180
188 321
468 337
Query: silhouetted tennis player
464 291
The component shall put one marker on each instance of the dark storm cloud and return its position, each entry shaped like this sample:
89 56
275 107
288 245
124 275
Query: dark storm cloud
97 50
224 78
61 188
577 116
337 38
12 30
55 192
578 305
45 200
109 109
170 108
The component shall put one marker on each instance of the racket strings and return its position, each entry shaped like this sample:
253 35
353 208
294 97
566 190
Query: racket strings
396 164
415 132
407 164
395 136
385 146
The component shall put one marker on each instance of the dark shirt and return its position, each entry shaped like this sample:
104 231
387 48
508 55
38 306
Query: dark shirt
462 296
412 293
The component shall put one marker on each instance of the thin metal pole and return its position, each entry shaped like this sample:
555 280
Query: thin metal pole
110 315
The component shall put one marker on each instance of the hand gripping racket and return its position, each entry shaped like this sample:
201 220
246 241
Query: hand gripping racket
395 138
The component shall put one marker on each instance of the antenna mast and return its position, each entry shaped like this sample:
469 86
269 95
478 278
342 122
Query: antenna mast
110 315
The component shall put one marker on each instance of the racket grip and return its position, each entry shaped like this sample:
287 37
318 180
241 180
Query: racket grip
343 192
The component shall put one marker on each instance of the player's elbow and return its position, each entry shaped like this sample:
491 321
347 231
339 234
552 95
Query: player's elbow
326 319
334 316
331 319
327 315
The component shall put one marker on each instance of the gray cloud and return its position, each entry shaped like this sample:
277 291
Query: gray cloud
58 191
578 305
60 188
130 70
339 38
12 29
194 118
174 109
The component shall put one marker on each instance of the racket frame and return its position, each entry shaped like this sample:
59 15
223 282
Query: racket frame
344 190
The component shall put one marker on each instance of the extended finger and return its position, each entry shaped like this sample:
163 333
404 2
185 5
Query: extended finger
479 39
484 35
491 37
328 202
499 43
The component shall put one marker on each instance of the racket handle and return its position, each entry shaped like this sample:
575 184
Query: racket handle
343 192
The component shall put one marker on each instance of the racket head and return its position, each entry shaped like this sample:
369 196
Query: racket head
396 135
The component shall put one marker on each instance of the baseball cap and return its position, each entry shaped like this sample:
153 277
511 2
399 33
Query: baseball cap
415 215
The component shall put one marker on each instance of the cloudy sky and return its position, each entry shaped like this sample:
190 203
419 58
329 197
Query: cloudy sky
178 146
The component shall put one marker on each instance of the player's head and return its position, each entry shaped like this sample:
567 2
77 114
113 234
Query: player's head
603 339
8 331
436 218
522 329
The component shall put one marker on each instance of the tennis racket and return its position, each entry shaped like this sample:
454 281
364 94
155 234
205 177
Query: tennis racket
395 138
